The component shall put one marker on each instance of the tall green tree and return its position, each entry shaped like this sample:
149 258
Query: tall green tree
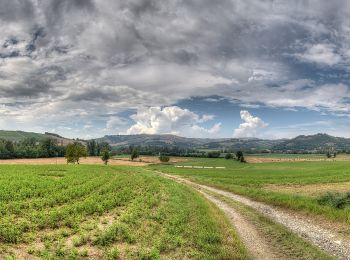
74 152
105 156
92 148
134 154
9 146
49 146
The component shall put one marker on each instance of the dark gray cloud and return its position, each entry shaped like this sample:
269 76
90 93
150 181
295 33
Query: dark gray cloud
117 55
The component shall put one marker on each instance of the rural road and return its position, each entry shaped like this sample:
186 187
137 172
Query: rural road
324 238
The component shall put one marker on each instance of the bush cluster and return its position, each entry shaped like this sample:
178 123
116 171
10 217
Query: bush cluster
335 199
164 158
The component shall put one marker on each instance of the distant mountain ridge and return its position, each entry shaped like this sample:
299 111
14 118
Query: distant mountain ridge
314 143
300 144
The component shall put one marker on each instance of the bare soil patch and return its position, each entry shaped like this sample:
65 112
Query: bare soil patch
61 160
309 189
152 159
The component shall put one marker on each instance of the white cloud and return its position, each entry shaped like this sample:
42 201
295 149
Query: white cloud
116 124
171 120
250 126
321 53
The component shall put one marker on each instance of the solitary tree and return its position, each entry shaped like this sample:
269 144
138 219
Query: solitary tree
134 154
74 152
105 156
240 156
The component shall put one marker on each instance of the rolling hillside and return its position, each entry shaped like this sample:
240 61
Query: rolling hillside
313 143
17 136
300 144
154 140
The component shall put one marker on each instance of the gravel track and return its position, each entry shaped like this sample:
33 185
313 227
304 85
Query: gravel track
255 244
326 239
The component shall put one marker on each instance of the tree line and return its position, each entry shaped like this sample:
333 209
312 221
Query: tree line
31 148
46 148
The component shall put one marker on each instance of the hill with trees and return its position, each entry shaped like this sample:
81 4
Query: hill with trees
20 144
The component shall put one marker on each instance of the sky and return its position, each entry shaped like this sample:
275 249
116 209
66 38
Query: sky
195 68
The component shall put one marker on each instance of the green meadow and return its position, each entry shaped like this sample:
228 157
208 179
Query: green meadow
273 183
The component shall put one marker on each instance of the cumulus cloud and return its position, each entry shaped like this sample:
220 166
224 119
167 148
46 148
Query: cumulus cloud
171 120
74 60
250 126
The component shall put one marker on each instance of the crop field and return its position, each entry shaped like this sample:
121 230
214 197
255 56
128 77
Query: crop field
122 212
297 186
110 212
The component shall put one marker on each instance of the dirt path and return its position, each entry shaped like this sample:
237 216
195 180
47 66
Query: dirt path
324 238
256 245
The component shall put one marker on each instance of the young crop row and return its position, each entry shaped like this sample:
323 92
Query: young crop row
104 211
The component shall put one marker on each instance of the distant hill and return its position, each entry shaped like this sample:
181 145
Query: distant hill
245 144
154 140
301 144
313 143
17 136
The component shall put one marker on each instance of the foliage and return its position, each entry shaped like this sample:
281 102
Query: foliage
164 158
105 156
74 152
228 156
213 154
30 148
335 199
134 154
240 157
95 149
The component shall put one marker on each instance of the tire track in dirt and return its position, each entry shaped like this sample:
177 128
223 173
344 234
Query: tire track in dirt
254 243
323 238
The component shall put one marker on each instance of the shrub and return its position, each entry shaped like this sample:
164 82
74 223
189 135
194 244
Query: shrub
228 156
335 199
164 158
214 154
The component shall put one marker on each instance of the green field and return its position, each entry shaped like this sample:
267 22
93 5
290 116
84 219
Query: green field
252 179
287 155
125 212
107 212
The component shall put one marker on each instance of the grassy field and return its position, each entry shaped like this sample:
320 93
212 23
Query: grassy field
107 212
287 155
274 182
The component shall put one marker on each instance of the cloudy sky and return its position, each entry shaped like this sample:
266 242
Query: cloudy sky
202 68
